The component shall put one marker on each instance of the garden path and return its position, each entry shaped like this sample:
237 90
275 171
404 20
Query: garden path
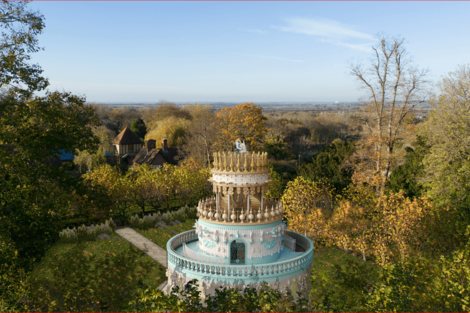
148 247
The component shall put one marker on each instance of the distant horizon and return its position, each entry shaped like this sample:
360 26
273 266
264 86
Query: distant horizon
221 102
227 51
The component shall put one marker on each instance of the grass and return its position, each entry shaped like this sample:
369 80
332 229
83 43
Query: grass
99 248
160 236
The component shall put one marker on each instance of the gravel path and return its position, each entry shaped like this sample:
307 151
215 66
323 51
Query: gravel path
148 247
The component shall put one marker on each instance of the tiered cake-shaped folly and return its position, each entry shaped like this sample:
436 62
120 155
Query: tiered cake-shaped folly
239 238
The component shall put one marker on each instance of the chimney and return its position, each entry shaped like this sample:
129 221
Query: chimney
164 145
151 144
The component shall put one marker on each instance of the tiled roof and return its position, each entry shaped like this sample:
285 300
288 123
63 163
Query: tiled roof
145 156
127 137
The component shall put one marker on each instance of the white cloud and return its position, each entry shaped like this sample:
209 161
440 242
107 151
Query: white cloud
273 58
321 27
256 31
360 47
330 32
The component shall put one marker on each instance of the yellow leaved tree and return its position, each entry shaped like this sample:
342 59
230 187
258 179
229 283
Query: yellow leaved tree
307 206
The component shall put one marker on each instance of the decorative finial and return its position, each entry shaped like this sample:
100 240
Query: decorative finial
242 216
259 216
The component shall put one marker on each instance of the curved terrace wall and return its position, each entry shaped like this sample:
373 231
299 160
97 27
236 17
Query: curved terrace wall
278 273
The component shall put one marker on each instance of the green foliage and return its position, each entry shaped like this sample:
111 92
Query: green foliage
139 128
189 299
20 28
277 149
80 280
340 281
406 177
327 165
447 165
423 285
281 173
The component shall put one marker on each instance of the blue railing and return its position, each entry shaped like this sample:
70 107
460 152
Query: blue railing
265 271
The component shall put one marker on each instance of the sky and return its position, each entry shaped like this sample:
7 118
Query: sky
190 51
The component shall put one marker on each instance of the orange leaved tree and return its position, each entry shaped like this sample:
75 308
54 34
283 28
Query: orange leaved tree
245 121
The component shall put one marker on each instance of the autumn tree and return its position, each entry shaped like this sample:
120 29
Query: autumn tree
447 132
307 206
393 88
244 121
163 111
201 133
117 186
118 118
172 128
191 182
390 228
142 185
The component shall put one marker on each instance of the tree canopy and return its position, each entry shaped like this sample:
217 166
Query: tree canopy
244 121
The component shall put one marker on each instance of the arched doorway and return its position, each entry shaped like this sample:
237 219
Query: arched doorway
237 252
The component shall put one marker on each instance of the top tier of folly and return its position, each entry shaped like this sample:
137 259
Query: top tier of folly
240 182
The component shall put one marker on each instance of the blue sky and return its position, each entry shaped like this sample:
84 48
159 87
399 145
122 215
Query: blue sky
236 51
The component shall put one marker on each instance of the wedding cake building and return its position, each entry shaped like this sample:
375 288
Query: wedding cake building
239 238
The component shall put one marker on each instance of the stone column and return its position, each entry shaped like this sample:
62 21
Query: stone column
228 217
248 203
261 202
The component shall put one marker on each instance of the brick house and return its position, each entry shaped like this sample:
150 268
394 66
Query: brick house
154 157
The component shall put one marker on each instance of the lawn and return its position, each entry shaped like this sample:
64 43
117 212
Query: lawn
105 273
160 236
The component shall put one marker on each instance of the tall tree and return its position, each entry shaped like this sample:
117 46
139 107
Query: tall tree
393 88
244 121
139 128
201 133
307 205
172 128
447 132
19 39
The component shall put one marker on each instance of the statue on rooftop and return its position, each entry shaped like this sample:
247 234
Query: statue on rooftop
240 146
